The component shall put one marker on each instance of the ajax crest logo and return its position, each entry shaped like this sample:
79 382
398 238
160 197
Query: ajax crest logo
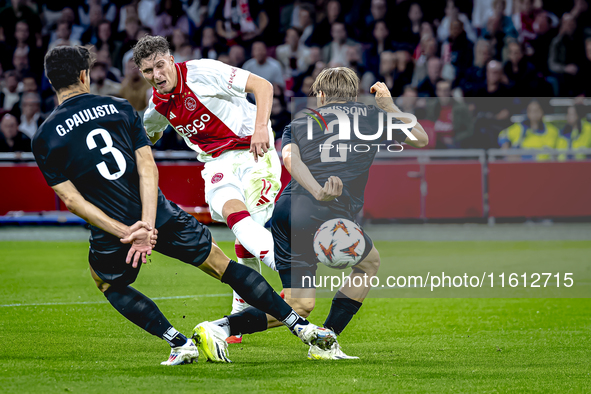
217 177
190 103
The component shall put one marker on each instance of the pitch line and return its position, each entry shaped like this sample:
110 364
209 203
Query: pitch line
106 302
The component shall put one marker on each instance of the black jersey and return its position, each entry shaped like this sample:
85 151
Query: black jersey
91 141
325 154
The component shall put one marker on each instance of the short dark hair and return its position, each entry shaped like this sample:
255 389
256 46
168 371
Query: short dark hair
64 63
149 46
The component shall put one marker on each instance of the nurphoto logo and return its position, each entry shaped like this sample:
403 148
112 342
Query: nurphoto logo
342 142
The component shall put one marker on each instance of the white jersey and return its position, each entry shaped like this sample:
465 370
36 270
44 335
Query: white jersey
208 108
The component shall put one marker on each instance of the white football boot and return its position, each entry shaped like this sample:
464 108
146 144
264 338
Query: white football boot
334 353
312 334
186 354
211 340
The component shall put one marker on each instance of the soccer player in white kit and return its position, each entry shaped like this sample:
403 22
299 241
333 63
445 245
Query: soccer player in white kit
205 101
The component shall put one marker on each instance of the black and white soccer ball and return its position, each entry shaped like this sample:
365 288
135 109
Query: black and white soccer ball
339 243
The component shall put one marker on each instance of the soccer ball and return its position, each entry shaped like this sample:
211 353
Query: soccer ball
339 243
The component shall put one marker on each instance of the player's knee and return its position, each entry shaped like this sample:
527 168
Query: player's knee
216 263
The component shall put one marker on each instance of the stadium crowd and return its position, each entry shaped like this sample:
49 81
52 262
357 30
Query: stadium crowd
463 67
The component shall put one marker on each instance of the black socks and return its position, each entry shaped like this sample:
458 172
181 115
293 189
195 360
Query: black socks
341 312
255 290
142 311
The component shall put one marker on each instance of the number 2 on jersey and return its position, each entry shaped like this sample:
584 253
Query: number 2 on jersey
117 155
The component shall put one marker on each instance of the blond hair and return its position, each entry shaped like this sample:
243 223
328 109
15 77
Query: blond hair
338 83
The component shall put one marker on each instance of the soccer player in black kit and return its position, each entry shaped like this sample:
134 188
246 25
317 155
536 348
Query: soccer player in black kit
95 154
327 184
322 189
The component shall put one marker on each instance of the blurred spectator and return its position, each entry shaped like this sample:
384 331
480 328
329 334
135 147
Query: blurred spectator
178 40
113 73
105 40
12 140
10 90
68 15
453 122
170 16
586 65
264 66
306 22
408 100
457 54
279 116
565 54
582 14
377 12
100 84
524 20
475 77
88 11
353 59
26 54
494 85
134 88
20 60
293 56
426 87
240 22
15 12
321 35
576 134
224 58
380 42
428 49
209 47
131 10
497 21
63 35
403 72
453 14
483 9
336 50
538 49
146 13
532 133
236 55
410 34
521 74
95 16
387 67
30 117
30 83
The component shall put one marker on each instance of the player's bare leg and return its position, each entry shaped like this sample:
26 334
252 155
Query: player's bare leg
302 301
142 311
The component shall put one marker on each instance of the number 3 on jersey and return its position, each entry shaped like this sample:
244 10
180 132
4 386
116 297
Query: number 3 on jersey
117 155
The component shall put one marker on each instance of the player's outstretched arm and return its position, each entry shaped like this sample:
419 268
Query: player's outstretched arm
263 95
79 206
292 160
148 173
140 232
385 102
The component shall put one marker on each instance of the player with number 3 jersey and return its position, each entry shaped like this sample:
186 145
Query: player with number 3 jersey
205 101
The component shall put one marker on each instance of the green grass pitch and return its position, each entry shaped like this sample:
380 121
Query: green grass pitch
64 337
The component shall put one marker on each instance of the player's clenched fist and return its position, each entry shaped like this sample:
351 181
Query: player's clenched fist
383 96
332 189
